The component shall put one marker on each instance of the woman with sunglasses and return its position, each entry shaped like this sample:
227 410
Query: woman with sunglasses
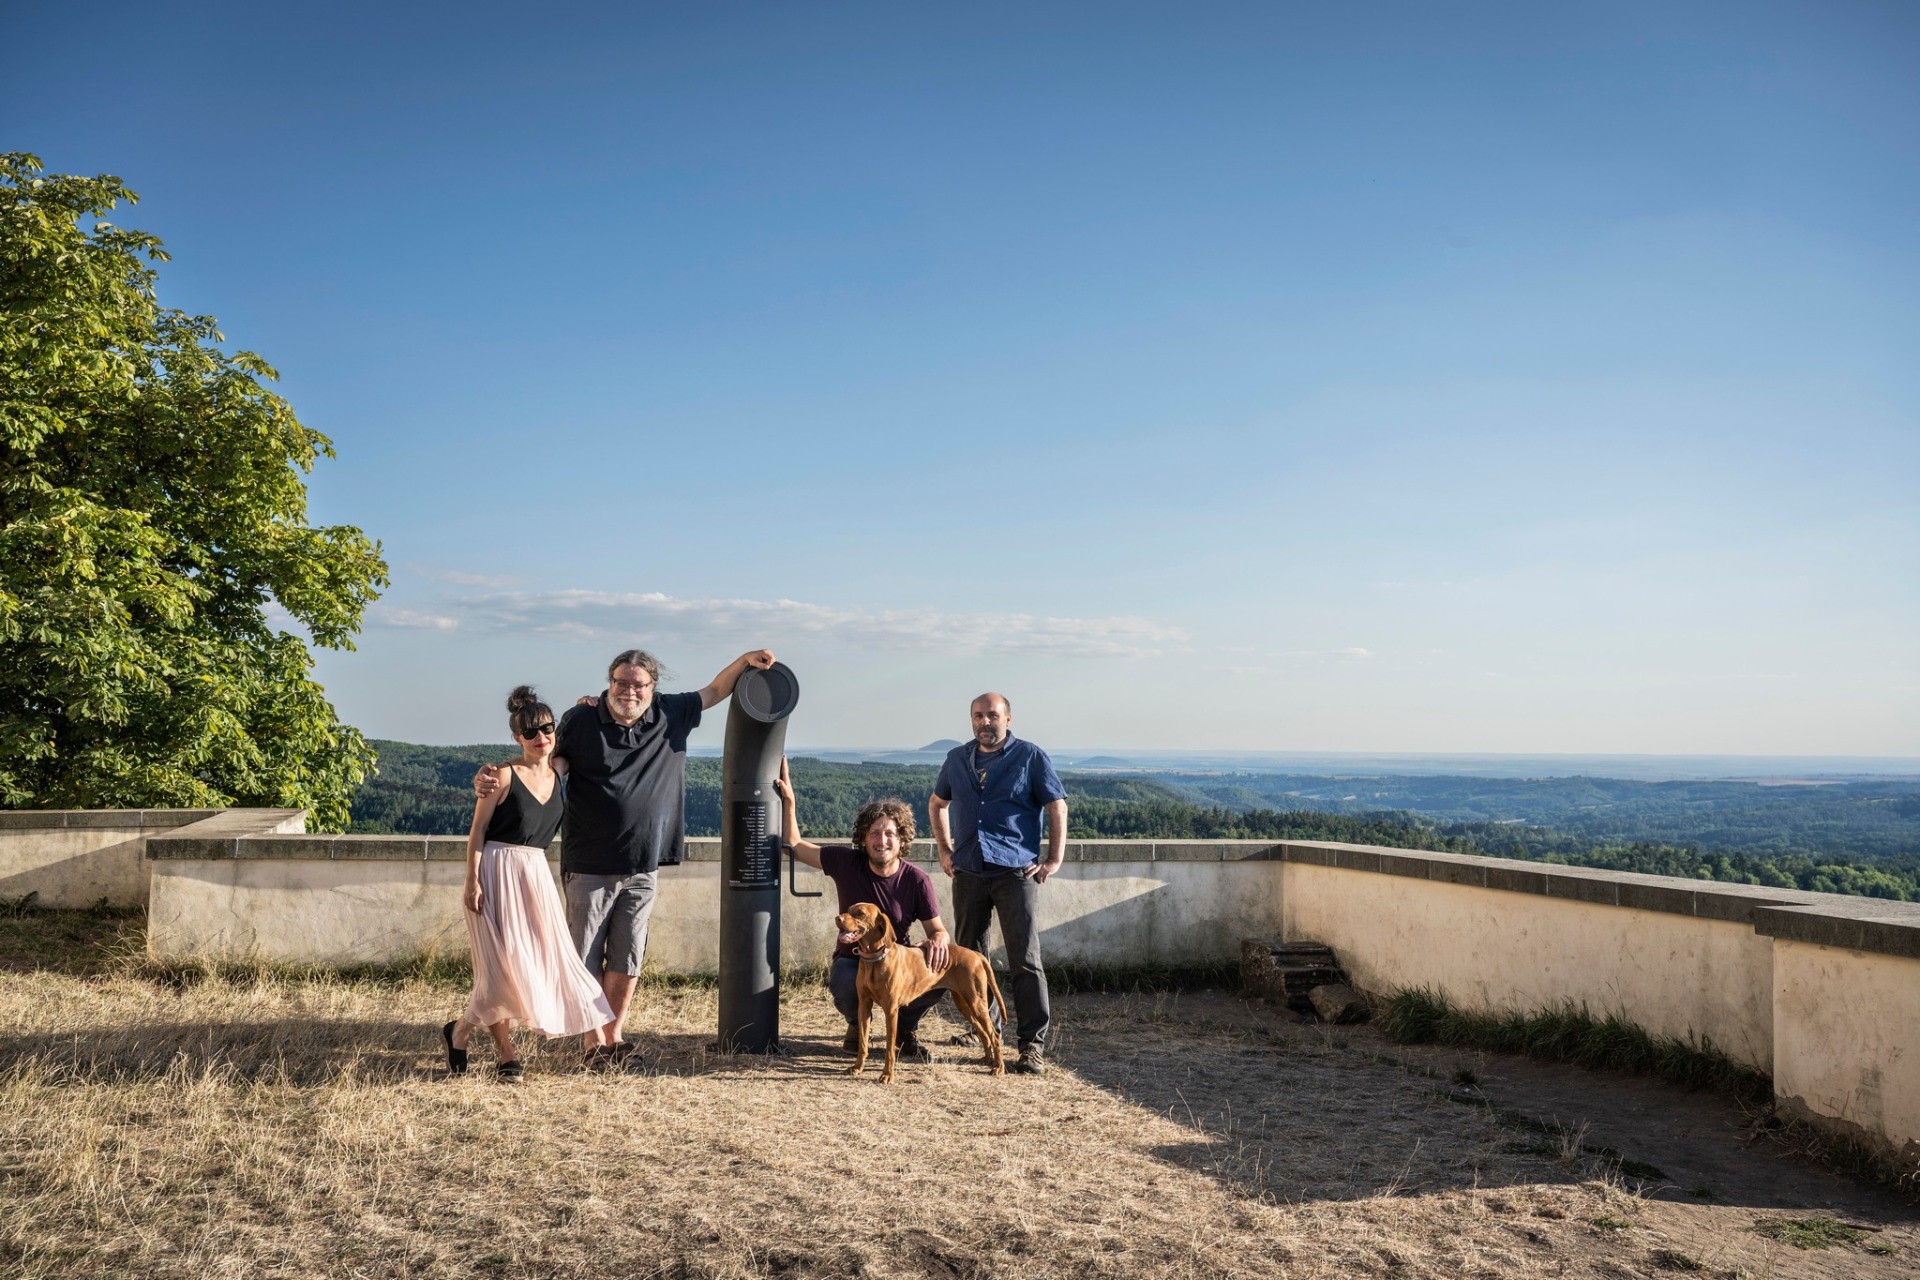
525 970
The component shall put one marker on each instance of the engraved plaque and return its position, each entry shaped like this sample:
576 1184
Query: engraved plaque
756 851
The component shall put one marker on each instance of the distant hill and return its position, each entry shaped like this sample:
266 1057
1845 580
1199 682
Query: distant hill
942 745
1862 837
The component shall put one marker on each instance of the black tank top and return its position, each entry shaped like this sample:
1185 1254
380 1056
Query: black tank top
520 819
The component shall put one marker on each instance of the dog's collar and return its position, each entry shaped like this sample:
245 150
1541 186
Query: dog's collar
877 956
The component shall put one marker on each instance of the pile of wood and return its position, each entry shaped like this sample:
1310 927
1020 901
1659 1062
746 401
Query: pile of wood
1305 977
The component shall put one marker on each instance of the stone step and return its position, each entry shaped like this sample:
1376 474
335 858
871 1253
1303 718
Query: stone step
1288 973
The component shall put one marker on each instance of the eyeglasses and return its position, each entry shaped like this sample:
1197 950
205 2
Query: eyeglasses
633 686
539 731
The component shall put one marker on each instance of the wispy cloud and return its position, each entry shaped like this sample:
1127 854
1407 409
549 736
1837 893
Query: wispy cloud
460 577
381 615
1349 654
587 615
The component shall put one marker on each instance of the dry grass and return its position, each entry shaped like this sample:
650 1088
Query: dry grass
261 1125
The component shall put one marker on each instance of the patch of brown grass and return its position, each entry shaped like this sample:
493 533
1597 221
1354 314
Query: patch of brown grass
269 1126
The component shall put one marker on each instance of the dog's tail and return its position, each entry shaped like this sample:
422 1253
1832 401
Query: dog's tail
993 992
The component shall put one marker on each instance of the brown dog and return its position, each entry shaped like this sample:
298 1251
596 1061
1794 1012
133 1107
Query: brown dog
892 974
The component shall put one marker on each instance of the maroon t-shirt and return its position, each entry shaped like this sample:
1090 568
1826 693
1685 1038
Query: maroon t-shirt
907 897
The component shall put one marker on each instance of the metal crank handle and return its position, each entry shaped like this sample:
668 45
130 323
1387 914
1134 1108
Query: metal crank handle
793 878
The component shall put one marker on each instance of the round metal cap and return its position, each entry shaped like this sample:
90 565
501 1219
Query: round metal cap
768 695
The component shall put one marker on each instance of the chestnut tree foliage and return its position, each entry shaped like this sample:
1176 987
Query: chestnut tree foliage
152 509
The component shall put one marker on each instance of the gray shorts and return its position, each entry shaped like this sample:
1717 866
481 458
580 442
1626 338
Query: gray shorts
607 916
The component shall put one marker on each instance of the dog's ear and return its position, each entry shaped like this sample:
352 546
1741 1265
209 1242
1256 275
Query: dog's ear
882 933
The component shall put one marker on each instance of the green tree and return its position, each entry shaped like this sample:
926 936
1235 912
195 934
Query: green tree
152 507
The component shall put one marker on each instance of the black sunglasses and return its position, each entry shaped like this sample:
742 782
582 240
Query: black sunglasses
538 729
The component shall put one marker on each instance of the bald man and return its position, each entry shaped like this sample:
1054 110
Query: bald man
985 812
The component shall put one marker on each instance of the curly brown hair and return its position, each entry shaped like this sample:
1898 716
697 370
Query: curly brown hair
874 811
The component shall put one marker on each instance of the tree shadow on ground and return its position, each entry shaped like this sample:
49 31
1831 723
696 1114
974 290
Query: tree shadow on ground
303 1051
43 940
320 1051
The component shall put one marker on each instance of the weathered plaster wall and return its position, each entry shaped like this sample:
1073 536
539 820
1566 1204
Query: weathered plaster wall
1847 1043
325 901
1495 950
76 857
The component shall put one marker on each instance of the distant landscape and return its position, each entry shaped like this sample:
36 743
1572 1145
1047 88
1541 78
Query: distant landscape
1856 834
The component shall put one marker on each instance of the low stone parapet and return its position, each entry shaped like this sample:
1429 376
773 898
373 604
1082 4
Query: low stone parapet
1820 991
232 894
82 857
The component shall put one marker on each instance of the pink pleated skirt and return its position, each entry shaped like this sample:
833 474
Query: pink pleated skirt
525 970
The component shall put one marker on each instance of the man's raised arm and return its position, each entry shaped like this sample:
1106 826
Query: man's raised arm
721 687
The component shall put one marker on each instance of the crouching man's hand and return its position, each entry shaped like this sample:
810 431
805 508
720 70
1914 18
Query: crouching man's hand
935 949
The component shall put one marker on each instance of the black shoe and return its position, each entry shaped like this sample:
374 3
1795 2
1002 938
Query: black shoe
510 1072
910 1049
456 1058
1033 1062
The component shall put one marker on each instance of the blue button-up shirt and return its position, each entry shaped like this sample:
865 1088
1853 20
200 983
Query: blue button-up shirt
996 798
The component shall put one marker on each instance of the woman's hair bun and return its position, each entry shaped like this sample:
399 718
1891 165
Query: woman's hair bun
525 711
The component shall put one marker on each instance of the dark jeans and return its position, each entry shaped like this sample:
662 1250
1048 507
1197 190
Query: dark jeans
976 899
842 980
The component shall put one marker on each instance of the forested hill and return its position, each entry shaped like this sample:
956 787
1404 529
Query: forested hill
1801 836
1876 817
428 791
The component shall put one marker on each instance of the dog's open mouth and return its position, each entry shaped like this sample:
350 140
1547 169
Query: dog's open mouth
851 935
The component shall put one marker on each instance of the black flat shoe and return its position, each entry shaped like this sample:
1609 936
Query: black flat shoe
456 1058
510 1072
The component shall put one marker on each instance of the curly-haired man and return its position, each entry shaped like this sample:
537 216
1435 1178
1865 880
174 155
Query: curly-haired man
873 869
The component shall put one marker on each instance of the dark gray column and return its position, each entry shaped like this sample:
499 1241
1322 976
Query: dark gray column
750 859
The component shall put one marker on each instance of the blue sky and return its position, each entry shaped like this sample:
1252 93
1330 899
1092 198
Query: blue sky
1342 378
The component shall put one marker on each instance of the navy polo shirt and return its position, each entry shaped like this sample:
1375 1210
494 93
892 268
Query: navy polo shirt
626 786
996 824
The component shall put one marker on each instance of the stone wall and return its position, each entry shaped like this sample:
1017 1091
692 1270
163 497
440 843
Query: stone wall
78 857
1819 990
373 899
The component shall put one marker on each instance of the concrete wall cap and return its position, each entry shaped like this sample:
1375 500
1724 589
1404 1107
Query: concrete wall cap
97 819
1859 924
1830 919
1867 924
226 826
